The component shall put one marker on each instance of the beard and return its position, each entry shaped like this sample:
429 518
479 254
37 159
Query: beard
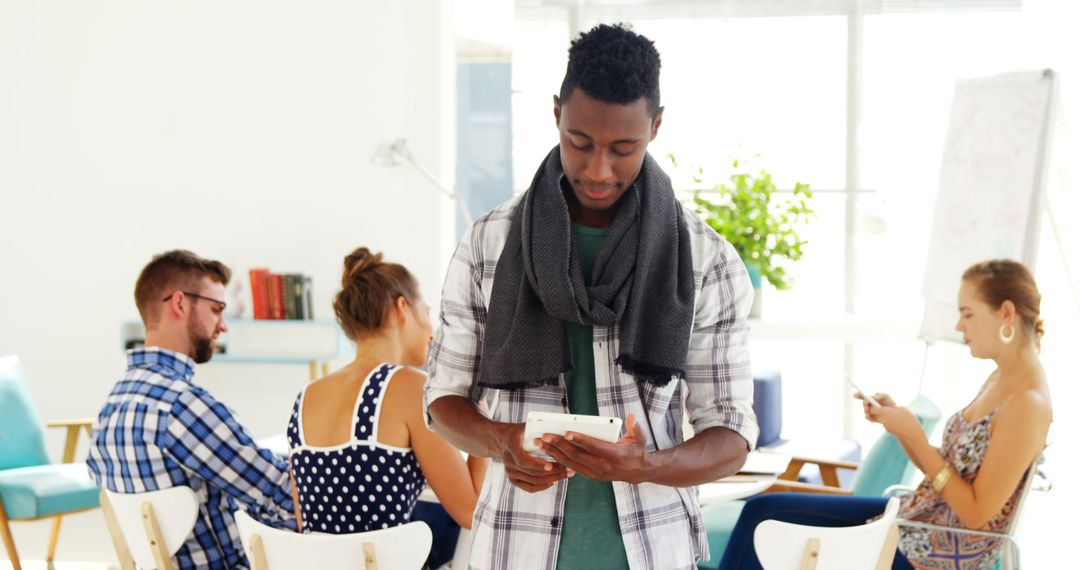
202 346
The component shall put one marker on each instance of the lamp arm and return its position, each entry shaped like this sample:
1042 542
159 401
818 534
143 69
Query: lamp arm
392 154
442 187
430 176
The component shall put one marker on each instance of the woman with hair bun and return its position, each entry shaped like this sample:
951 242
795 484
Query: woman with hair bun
975 479
360 452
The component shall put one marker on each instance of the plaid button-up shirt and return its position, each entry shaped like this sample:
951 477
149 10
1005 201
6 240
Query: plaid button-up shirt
661 526
159 430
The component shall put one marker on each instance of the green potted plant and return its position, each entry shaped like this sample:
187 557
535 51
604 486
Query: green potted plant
762 230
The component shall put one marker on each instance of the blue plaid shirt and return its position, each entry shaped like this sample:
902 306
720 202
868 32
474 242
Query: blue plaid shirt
159 430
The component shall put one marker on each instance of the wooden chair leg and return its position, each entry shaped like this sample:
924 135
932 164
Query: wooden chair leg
258 554
792 471
9 541
71 443
157 540
829 476
810 555
369 557
53 537
123 554
888 550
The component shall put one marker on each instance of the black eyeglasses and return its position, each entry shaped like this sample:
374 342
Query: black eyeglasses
198 296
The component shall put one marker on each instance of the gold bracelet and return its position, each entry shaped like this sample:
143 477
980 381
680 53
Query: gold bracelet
942 478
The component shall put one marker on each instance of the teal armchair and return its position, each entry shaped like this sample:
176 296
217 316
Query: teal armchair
32 488
883 466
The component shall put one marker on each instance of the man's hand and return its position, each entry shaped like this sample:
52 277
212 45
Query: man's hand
624 460
524 471
713 453
457 420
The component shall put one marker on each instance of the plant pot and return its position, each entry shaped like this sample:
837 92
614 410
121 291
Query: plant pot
755 281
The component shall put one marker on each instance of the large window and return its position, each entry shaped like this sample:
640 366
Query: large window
908 89
765 90
774 89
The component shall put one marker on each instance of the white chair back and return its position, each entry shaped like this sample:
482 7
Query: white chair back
787 546
1010 555
403 547
155 524
1025 490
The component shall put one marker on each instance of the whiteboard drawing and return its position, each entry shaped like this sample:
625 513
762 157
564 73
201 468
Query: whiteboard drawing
989 199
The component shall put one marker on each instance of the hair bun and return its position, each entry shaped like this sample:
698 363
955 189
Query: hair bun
359 261
370 287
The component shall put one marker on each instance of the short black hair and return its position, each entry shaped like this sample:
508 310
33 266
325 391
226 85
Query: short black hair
614 64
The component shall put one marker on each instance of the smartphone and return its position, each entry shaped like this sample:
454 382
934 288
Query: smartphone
866 395
538 423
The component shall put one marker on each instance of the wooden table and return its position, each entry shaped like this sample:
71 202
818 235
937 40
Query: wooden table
734 487
758 474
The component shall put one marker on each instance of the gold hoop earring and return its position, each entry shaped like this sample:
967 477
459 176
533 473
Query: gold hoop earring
1007 338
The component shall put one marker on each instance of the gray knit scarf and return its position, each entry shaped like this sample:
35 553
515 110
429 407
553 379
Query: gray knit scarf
643 281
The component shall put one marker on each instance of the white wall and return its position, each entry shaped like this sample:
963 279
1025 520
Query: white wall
240 130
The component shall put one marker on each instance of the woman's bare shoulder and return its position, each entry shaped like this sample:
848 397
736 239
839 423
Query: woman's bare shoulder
334 388
332 381
411 376
407 386
1030 406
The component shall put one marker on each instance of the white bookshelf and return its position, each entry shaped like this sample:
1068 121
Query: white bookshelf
257 341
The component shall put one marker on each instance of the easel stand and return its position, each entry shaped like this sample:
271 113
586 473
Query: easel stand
1061 251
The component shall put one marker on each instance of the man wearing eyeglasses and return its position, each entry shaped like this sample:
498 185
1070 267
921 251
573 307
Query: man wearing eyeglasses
158 429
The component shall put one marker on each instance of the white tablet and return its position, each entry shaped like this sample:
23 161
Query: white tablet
866 395
599 427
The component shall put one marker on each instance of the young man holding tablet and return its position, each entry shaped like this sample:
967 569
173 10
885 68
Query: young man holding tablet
596 293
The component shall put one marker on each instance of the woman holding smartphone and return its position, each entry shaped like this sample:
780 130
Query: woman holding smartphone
360 453
975 479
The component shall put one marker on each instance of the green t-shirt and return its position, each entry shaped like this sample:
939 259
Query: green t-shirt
590 533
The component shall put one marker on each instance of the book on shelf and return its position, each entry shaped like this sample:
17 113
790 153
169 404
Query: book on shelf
309 306
277 301
294 293
260 297
281 296
288 302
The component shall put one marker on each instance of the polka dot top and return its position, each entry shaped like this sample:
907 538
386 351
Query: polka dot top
357 486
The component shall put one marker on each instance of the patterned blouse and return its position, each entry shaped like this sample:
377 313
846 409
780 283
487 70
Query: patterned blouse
964 447
362 484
